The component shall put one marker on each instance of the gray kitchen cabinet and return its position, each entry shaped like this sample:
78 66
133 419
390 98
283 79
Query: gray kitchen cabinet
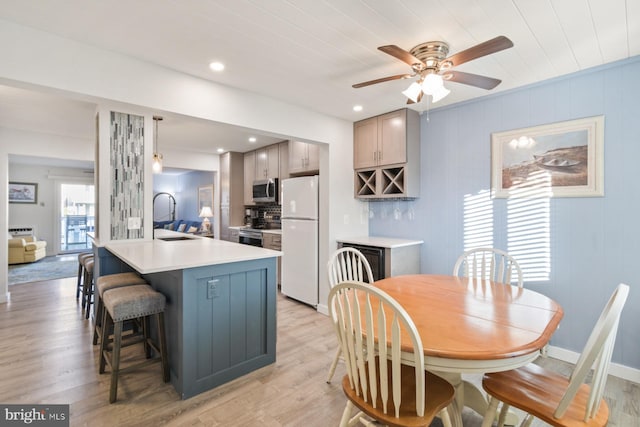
284 165
273 241
231 192
249 176
381 140
304 158
267 162
386 156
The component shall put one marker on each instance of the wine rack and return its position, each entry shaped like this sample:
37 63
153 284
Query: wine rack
383 183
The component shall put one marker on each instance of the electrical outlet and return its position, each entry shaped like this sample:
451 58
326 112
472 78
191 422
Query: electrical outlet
212 289
134 223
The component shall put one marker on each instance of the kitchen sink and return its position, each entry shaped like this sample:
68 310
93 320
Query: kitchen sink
171 239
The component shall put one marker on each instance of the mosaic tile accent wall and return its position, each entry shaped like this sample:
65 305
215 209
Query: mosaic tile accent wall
127 175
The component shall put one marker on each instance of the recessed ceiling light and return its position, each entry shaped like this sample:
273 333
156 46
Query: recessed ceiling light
216 66
220 150
252 139
357 108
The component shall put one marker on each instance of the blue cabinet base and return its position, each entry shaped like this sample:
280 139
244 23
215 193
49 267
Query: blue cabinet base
220 321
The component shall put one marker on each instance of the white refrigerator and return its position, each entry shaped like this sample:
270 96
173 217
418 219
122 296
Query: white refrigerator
300 239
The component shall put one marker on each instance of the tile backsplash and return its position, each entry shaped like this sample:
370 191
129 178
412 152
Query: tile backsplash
266 215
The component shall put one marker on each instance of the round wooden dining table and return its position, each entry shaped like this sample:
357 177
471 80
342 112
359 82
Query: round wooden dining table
474 326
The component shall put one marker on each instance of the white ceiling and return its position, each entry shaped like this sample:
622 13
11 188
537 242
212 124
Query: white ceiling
310 52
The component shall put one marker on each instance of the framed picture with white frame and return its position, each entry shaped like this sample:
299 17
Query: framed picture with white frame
563 159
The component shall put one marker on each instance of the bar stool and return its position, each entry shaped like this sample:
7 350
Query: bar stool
81 260
125 303
105 283
87 286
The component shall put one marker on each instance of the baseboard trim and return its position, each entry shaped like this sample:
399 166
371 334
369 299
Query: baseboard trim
323 309
617 370
5 298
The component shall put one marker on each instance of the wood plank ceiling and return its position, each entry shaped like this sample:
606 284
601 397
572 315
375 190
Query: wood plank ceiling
310 52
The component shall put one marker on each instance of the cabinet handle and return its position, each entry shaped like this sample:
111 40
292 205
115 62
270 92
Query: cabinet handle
379 156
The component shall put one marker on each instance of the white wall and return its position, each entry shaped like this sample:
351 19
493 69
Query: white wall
21 142
105 77
42 215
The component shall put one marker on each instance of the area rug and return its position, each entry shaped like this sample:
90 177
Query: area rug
48 268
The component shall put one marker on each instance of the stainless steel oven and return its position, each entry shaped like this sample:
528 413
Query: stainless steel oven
250 237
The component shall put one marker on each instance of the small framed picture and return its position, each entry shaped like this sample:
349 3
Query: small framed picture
205 197
23 192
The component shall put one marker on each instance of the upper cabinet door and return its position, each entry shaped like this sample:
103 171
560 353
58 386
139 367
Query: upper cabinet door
392 141
249 176
297 156
273 161
261 163
365 143
313 157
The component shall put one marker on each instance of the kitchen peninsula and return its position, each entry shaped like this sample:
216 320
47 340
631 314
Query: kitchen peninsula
221 303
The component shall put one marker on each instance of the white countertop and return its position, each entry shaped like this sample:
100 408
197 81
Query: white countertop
152 256
380 242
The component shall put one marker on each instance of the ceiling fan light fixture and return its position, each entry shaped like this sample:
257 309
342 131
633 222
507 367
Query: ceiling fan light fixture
439 94
433 85
413 91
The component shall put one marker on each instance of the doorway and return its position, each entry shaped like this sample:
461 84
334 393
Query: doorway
76 204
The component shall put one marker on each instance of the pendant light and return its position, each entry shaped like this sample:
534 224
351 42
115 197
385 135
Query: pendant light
157 157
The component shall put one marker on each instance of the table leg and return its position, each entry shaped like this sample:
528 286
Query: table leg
467 394
455 409
476 400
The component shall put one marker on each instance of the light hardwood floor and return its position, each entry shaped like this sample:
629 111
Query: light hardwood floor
46 356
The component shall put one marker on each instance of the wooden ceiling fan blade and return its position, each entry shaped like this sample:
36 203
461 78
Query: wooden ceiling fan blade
401 54
383 79
487 48
472 79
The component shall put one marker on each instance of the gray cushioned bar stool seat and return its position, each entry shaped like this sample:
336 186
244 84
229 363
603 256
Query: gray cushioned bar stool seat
125 303
81 260
105 283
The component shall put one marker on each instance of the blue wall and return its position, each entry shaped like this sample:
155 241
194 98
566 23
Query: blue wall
184 188
594 242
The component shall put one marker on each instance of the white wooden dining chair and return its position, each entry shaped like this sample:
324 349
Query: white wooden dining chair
379 383
489 264
346 264
553 398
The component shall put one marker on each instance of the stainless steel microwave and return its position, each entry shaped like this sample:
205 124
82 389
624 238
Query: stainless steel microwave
265 191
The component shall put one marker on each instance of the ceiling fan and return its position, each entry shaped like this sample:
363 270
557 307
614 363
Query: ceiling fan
429 62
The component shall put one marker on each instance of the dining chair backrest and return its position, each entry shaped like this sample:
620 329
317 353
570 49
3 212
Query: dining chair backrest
489 264
597 354
348 264
364 316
